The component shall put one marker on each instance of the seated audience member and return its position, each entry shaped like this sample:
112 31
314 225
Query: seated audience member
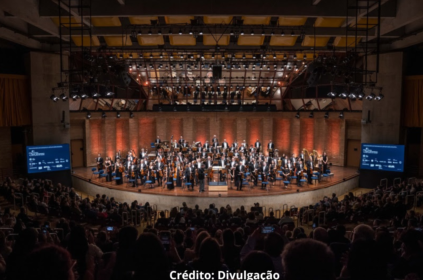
363 232
230 251
209 258
191 254
286 218
257 262
125 259
411 259
47 263
316 255
321 234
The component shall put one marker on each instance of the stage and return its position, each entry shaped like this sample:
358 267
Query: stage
343 180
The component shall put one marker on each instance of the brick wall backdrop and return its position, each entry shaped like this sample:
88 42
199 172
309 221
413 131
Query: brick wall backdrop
255 131
174 127
307 134
96 145
333 139
289 134
227 130
146 133
282 135
122 140
201 130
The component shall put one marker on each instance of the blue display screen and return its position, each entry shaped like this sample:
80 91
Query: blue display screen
382 157
48 158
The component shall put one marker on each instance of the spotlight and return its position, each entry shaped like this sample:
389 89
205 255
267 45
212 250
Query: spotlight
171 56
88 115
292 33
341 115
282 33
63 97
370 97
74 96
274 56
297 115
159 32
352 96
343 95
263 33
161 55
139 33
242 33
54 98
311 115
332 94
252 32
379 97
118 115
231 33
264 56
109 93
200 33
360 96
103 115
180 32
84 96
326 115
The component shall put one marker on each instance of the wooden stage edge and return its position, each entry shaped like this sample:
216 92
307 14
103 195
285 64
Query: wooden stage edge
340 174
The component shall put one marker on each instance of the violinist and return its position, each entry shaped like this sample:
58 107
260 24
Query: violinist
117 156
179 175
264 174
254 168
299 169
225 144
222 164
309 164
159 171
119 168
109 169
286 173
143 154
143 170
169 177
151 173
189 175
239 172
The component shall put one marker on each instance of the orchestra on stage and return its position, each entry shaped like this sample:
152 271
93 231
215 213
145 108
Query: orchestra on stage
176 163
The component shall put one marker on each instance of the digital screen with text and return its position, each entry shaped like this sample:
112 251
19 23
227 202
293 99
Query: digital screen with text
382 157
48 158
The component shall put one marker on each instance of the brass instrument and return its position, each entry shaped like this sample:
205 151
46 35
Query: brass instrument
210 173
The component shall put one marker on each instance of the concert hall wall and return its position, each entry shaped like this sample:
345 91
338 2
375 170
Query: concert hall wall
290 135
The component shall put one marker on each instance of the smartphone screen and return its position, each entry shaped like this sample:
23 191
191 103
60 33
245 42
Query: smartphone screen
165 238
267 229
109 228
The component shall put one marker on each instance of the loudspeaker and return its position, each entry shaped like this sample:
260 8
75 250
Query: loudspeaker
217 72
125 79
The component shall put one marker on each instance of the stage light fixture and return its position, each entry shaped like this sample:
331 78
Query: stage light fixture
263 33
54 97
170 32
63 97
161 55
292 33
231 33
118 115
190 32
343 95
341 115
274 56
84 96
242 33
109 93
181 56
252 33
88 115
311 115
139 33
180 32
282 33
200 33
379 97
326 115
370 97
352 96
264 56
332 94
159 32
360 96
297 115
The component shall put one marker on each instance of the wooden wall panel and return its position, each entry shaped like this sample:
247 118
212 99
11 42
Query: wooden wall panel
255 131
202 130
333 139
282 135
174 127
96 144
307 134
146 132
122 139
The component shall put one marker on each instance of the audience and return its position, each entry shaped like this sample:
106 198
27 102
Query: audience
385 240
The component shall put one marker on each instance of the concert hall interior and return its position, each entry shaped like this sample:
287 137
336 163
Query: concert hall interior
140 139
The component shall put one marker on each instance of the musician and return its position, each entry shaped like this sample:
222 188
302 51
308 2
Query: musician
143 154
159 171
203 154
118 170
175 145
117 156
189 175
180 158
100 162
284 160
190 156
299 168
244 161
293 160
286 173
143 170
257 145
264 173
242 149
302 156
222 164
252 149
270 147
209 162
206 146
215 145
234 146
179 175
185 144
201 178
239 172
109 169
151 173
225 144
244 143
325 160
169 177
255 166
214 139
232 167
157 141
129 160
181 140
309 171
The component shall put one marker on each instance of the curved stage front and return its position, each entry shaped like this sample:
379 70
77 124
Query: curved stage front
343 180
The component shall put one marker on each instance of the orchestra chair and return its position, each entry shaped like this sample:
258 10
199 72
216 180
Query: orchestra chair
152 145
102 175
325 176
246 183
266 184
116 179
167 184
293 178
94 172
315 179
187 185
149 182
279 180
286 183
130 181
113 174
302 181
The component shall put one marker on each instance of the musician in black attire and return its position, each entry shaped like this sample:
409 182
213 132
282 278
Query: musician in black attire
309 171
201 178
109 169
299 168
143 154
99 164
214 139
222 164
257 145
117 156
159 169
143 169
239 171
158 141
325 162
169 177
264 173
271 147
189 175
119 174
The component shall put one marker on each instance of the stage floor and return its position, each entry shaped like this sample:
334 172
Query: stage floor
340 174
